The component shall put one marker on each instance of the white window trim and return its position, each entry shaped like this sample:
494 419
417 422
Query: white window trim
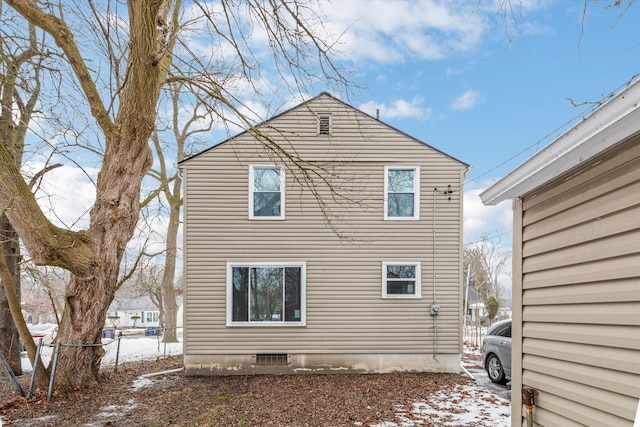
330 124
303 294
416 193
418 293
282 192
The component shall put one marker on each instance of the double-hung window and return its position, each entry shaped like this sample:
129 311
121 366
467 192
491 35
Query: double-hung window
401 192
401 280
266 192
264 294
152 316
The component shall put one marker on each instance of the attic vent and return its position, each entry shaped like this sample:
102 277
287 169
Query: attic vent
278 359
324 124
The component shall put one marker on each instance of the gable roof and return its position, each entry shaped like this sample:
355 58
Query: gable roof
615 121
327 95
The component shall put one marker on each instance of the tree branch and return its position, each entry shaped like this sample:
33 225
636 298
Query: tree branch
63 37
47 243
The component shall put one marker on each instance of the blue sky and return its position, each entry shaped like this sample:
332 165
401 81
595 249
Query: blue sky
458 75
486 90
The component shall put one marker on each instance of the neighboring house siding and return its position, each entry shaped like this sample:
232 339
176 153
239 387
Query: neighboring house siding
580 244
345 311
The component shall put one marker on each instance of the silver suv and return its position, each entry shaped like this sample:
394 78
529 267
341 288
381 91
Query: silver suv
496 352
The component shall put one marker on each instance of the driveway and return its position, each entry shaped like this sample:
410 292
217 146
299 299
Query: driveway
483 380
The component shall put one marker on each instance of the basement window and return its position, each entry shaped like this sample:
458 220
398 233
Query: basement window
277 359
324 124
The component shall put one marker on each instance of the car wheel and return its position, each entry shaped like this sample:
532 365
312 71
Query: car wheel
495 370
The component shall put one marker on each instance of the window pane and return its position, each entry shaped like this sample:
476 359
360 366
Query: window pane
293 298
401 271
240 294
266 204
266 294
400 181
400 205
266 179
401 287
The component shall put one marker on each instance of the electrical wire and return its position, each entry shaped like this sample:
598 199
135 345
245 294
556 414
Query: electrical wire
592 107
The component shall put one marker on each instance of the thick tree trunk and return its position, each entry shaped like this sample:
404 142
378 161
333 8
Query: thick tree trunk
114 216
9 337
113 220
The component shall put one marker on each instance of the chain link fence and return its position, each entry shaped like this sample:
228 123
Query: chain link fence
120 346
9 384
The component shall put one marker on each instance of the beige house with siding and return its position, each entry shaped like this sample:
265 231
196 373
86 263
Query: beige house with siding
322 241
576 271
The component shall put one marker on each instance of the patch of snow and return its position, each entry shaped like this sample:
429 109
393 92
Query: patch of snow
112 412
141 382
470 405
33 422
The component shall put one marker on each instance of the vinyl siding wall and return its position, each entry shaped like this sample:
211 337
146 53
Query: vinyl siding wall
345 311
580 293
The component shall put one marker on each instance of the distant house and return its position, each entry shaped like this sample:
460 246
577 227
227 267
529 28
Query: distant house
327 262
474 309
132 312
576 272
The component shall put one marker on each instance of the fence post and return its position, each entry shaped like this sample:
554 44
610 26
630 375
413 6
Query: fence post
35 369
52 380
115 367
7 368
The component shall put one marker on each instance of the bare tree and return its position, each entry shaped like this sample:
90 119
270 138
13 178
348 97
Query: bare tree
20 62
484 261
482 265
199 120
124 116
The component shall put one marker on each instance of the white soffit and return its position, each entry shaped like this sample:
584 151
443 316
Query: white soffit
612 123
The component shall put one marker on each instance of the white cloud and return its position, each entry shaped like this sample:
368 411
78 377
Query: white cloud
400 108
394 31
466 101
65 194
481 220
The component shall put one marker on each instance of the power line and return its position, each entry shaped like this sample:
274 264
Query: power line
489 238
592 106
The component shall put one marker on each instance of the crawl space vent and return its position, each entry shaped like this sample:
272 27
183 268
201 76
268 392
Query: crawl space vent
272 359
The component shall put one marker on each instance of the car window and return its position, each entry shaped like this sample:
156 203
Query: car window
506 332
502 331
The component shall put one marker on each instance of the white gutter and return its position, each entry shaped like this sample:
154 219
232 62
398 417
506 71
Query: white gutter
614 121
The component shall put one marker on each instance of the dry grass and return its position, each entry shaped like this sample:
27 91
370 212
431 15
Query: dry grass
122 399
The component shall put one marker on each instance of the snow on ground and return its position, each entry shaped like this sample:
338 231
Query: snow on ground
138 348
132 348
471 405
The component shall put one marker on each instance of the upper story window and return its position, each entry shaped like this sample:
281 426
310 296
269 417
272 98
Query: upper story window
401 280
401 192
266 294
266 192
324 124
